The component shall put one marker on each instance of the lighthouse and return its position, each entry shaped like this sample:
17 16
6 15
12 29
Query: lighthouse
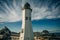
26 31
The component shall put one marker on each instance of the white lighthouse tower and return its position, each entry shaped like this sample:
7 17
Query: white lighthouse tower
26 32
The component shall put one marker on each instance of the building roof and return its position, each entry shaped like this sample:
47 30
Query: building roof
5 30
35 33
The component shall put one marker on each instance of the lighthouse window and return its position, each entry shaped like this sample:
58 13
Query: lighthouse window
26 18
28 38
29 18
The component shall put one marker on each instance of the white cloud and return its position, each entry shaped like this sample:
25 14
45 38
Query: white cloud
14 13
11 14
10 17
44 12
38 13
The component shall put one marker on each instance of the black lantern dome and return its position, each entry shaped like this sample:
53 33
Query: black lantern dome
27 6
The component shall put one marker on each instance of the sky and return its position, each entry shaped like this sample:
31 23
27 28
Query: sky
45 14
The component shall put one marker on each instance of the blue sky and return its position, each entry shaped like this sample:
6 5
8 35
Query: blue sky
45 14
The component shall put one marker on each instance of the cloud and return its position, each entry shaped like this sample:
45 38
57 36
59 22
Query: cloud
42 9
48 10
38 13
12 13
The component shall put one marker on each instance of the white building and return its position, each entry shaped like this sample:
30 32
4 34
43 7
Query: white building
27 32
